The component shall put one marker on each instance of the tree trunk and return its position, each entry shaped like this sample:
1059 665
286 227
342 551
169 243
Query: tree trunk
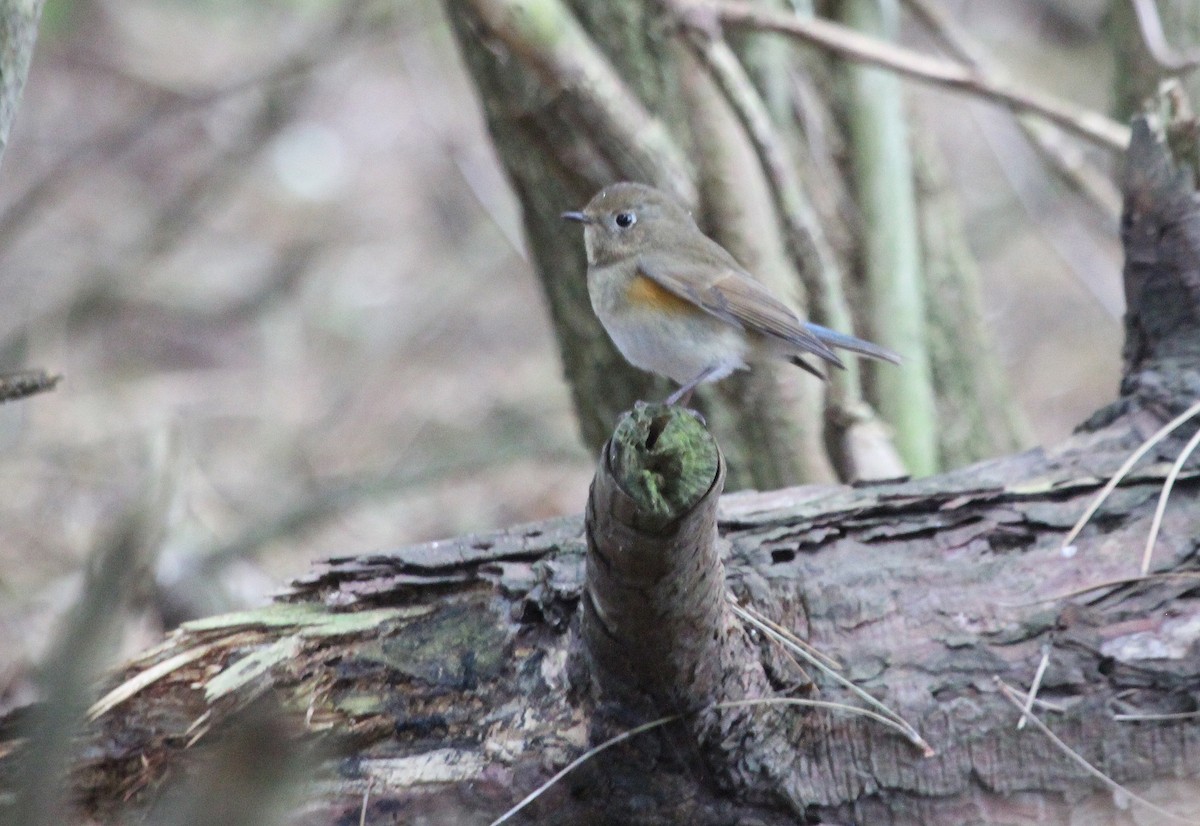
448 680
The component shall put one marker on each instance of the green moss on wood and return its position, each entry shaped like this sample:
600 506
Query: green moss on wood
459 645
664 458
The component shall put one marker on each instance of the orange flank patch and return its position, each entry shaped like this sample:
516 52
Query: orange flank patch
645 292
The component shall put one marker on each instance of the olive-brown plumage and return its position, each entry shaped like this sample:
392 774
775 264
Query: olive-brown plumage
676 303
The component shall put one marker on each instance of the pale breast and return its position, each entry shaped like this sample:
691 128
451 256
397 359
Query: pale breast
662 333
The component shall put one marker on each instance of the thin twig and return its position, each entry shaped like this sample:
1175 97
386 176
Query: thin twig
809 250
1034 686
1161 508
1015 698
844 41
1142 450
20 384
1151 28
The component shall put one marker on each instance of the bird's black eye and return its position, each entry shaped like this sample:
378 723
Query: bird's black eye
625 219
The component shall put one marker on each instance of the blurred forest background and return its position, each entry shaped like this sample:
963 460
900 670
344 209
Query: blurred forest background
271 250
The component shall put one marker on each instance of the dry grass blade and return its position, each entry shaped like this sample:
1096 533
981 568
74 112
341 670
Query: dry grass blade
1014 697
1161 508
1057 708
1123 471
788 640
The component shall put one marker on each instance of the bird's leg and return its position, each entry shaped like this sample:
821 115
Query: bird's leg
683 395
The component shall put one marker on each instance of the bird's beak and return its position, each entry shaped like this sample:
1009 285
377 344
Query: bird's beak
576 216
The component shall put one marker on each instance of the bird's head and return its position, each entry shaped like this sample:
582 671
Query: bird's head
626 219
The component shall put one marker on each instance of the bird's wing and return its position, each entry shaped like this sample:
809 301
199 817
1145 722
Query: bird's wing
729 293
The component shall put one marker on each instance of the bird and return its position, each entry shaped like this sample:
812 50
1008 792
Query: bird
678 304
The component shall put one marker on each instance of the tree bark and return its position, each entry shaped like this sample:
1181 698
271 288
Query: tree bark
449 679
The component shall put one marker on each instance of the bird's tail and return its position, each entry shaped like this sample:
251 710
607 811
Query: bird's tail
832 338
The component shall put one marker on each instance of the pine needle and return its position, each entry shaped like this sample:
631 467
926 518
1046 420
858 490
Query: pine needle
1161 508
789 640
579 761
662 721
1108 583
1014 697
1034 686
1123 471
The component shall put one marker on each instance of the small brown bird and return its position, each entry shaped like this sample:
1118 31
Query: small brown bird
676 303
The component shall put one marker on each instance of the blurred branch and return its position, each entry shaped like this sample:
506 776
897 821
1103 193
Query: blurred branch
83 156
882 164
66 679
853 45
805 236
328 42
977 413
1151 28
18 33
1065 158
225 171
174 220
193 591
291 266
116 569
19 384
544 35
